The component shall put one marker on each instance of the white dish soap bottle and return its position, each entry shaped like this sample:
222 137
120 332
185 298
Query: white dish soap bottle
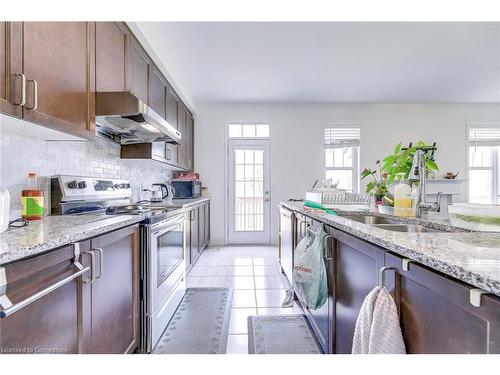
402 198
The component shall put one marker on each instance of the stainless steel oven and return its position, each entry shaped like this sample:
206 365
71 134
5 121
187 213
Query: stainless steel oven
164 269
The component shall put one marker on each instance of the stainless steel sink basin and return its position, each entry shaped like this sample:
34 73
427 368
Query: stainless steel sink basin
372 220
408 228
391 224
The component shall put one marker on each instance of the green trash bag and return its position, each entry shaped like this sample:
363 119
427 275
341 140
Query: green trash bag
309 272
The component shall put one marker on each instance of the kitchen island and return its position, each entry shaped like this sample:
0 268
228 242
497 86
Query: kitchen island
445 280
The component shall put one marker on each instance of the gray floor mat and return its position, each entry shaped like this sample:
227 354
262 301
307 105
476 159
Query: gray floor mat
281 334
200 325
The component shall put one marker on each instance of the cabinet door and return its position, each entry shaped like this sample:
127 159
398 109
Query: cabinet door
171 107
115 293
11 68
139 70
158 88
286 235
187 242
202 226
357 264
60 85
181 126
52 323
111 59
195 231
436 314
322 318
207 223
189 140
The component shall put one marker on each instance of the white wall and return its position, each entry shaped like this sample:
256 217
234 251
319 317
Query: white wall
296 141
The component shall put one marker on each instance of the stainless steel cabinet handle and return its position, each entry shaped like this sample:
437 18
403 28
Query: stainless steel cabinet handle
23 89
326 253
101 261
92 267
34 107
381 274
18 306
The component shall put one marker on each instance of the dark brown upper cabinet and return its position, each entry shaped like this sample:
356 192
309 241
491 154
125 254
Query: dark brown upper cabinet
112 46
58 74
139 70
182 127
189 138
158 88
11 68
60 85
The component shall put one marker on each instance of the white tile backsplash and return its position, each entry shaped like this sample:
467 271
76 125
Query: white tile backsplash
19 156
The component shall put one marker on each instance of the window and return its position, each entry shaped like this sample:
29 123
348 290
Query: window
341 157
484 164
248 130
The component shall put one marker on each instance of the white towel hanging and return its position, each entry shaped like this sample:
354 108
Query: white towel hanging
377 328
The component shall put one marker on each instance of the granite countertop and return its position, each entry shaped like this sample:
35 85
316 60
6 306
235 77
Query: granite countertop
54 231
189 201
472 257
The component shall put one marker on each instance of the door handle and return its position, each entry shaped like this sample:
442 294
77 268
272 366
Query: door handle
101 261
23 89
34 107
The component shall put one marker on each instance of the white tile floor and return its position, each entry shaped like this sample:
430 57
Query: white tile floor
254 274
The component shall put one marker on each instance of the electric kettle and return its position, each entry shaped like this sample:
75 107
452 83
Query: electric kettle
159 192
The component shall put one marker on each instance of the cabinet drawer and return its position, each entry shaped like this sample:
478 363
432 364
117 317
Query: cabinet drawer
52 323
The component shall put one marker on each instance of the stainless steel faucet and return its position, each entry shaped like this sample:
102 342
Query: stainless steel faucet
418 173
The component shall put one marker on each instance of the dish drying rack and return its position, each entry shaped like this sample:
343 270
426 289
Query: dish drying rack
336 197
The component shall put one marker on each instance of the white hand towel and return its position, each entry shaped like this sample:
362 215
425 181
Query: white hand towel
377 328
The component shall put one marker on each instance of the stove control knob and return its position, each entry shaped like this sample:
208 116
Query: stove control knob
82 184
73 185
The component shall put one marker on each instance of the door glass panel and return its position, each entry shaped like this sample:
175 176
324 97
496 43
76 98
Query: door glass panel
249 197
170 252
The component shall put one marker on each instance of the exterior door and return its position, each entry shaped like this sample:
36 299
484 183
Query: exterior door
249 191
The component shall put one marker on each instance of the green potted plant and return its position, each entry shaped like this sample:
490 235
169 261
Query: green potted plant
399 163
378 185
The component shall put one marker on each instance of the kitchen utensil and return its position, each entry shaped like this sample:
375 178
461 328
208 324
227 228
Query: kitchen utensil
4 209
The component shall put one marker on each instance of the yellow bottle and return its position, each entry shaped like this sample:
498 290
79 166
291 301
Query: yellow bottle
402 199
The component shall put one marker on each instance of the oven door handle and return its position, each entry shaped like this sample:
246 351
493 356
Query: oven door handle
168 225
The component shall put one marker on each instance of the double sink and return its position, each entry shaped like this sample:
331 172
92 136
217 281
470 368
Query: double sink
391 224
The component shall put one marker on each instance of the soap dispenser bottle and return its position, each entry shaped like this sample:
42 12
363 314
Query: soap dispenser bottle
402 198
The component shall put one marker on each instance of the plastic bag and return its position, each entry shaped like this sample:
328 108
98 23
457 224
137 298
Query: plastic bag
309 271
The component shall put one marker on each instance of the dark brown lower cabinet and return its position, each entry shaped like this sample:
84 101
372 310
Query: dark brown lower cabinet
113 295
435 311
53 323
95 312
195 234
436 314
357 265
322 318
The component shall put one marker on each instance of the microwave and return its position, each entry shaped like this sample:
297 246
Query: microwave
187 189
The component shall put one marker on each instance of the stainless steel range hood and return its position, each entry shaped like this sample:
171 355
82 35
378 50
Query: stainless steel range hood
124 118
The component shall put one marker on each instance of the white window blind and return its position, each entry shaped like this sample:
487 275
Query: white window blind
341 137
484 135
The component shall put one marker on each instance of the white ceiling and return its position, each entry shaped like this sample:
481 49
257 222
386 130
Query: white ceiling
330 62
